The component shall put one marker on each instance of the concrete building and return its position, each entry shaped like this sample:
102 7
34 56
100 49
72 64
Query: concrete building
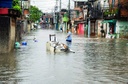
115 19
8 18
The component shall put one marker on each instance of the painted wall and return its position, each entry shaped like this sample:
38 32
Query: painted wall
18 30
4 33
25 26
122 29
93 29
98 22
12 34
81 29
7 34
106 28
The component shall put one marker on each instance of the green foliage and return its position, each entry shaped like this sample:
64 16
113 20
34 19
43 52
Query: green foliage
77 13
106 12
17 8
116 10
16 5
112 11
15 2
35 13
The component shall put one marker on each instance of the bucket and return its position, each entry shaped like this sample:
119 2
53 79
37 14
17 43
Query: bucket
24 43
17 45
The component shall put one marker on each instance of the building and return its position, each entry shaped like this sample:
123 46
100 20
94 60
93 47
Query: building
116 19
25 5
94 17
78 20
8 17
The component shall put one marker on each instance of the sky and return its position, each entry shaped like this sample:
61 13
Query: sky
48 5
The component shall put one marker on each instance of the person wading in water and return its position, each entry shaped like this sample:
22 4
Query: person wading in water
69 38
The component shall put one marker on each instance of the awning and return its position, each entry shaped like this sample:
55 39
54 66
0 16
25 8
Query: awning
108 21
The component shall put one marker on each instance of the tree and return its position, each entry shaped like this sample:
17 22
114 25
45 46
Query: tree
35 13
16 5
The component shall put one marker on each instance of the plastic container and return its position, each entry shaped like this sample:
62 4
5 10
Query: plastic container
24 43
17 45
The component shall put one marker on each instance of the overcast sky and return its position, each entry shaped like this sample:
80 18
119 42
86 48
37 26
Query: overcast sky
48 5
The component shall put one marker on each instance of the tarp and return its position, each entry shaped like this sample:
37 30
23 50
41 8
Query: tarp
65 19
108 21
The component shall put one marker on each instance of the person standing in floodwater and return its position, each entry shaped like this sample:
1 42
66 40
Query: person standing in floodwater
69 38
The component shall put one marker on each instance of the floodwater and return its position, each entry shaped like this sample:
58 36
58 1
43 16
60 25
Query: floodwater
95 61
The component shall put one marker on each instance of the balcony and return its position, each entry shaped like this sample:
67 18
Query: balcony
111 13
77 16
95 14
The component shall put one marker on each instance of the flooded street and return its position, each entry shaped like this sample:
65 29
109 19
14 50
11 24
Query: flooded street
95 61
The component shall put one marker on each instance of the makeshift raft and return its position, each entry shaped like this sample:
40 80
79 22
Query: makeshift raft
54 46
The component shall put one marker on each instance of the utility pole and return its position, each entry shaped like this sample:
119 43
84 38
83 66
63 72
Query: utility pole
60 5
56 15
89 27
60 18
69 15
21 9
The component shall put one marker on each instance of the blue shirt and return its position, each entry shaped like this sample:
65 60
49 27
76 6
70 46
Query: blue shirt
69 37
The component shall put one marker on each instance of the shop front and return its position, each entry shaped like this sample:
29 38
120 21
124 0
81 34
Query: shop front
110 28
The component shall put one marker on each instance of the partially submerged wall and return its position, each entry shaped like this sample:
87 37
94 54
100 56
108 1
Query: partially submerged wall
7 34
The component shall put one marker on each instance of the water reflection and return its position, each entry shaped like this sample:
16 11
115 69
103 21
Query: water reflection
107 60
7 68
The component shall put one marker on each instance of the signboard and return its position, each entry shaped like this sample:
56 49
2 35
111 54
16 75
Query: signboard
6 3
